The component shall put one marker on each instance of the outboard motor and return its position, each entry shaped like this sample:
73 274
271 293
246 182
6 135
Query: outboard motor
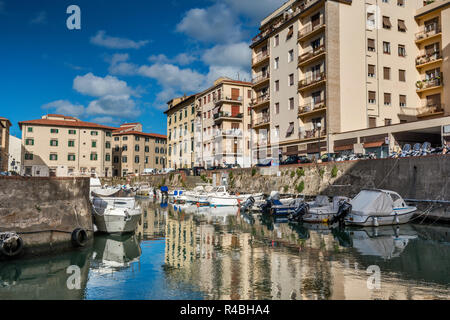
265 207
299 212
247 204
344 209
165 191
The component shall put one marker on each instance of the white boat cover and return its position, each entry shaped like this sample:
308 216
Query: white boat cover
321 201
95 182
372 202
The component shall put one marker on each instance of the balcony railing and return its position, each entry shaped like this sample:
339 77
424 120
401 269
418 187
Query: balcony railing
221 99
311 107
225 114
311 28
428 32
262 120
311 80
311 54
429 83
310 134
261 56
430 109
230 132
427 58
261 78
260 99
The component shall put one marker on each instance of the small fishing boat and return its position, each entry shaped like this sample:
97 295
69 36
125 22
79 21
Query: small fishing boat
115 215
219 197
97 189
277 206
325 212
375 207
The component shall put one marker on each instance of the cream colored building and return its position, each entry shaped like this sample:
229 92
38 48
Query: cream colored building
180 132
134 151
15 154
223 124
58 145
324 67
5 124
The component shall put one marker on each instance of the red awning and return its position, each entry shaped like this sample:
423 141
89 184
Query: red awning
342 148
373 144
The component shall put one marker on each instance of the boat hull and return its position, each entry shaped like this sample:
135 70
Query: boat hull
223 201
115 223
374 220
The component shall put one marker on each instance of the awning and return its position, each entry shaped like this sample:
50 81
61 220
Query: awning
343 148
371 69
290 130
371 43
403 99
386 22
372 95
387 98
373 144
401 25
291 151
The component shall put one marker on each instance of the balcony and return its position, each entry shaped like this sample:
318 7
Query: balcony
311 29
261 101
312 134
227 99
429 84
311 81
223 115
311 56
235 133
260 58
427 59
311 108
428 33
262 120
259 80
430 110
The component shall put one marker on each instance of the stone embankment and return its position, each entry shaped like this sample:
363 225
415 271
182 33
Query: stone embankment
45 211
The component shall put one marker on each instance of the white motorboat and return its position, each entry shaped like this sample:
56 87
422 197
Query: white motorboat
322 211
379 208
219 197
144 190
97 189
116 215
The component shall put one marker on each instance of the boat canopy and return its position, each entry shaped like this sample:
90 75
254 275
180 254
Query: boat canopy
322 201
372 202
95 182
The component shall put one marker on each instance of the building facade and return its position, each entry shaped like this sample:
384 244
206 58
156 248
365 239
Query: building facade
57 145
5 124
223 124
15 154
324 67
180 132
133 151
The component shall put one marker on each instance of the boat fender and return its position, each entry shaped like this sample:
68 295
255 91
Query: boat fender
375 221
79 237
397 221
12 245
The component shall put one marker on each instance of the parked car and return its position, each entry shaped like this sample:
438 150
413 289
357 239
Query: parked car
267 162
295 160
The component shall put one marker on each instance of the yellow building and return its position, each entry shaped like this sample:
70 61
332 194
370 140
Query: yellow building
180 132
5 124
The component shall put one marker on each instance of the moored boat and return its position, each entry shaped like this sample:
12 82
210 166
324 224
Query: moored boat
116 215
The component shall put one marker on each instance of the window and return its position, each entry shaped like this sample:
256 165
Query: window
116 159
146 160
371 70
192 126
94 157
277 85
277 108
372 122
156 150
401 3
291 103
276 63
124 159
402 75
290 32
29 142
28 156
290 129
291 79
371 45
156 160
387 122
136 147
147 149
94 133
147 139
54 143
249 94
53 157
386 23
387 73
401 25
108 133
372 97
402 100
291 55
124 147
71 143
386 47
276 40
54 130
192 109
387 99
72 132
94 144
125 138
108 145
136 138
71 157
116 138
401 50
185 113
30 129
370 20
136 159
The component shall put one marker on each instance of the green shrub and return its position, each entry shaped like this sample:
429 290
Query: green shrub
300 187
253 171
203 177
285 189
334 172
300 172
321 172
230 175
292 174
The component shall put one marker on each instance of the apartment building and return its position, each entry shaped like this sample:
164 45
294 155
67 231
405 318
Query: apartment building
133 151
323 67
58 145
15 154
5 124
180 132
223 124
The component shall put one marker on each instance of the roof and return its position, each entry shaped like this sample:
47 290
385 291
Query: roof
138 133
220 81
61 116
5 119
62 123
184 100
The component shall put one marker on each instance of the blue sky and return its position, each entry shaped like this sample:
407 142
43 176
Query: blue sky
129 58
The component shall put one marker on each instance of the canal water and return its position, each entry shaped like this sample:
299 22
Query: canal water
219 253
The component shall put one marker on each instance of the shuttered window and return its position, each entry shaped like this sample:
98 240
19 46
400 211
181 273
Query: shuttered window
371 44
387 99
402 100
402 75
401 26
371 70
387 73
290 32
372 122
372 96
386 23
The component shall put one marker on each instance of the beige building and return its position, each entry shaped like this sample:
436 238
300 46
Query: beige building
5 124
133 151
58 145
323 67
15 154
223 124
180 132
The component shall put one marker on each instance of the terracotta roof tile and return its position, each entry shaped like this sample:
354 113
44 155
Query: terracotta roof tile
62 123
137 133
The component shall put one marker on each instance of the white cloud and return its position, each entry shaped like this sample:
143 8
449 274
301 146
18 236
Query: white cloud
118 106
120 66
91 85
236 55
215 24
103 40
251 10
106 120
181 59
40 18
65 107
231 72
